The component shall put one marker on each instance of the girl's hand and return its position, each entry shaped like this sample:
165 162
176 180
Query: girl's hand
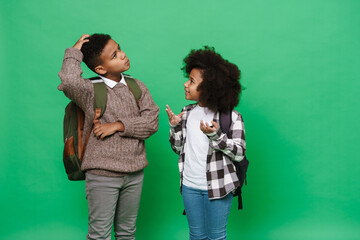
206 128
83 39
173 119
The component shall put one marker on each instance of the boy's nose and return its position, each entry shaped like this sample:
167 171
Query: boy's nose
122 55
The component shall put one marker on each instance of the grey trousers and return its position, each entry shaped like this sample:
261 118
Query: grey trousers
113 201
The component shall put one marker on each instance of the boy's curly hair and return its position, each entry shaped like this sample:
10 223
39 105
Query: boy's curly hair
220 88
93 49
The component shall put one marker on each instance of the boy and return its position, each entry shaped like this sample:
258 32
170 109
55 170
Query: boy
115 154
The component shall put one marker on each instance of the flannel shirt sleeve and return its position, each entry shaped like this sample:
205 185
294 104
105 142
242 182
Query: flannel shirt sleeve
176 138
233 147
176 134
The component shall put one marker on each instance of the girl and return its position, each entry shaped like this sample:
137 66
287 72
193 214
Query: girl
208 175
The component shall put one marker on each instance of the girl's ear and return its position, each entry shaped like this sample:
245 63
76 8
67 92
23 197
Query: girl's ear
100 70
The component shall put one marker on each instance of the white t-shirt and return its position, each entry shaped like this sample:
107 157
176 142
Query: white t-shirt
196 148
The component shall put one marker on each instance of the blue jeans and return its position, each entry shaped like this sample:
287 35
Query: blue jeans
207 219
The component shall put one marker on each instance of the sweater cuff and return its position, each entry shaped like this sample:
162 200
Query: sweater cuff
73 53
128 128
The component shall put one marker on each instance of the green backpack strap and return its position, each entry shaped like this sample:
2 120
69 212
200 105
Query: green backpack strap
100 91
100 94
134 88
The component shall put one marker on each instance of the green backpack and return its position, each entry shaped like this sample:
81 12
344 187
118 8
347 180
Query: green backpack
74 119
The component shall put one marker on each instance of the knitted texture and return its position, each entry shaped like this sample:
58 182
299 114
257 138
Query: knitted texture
122 152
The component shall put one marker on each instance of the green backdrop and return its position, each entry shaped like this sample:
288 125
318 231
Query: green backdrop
300 66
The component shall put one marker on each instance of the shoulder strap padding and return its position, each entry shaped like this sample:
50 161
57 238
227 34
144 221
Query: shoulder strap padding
100 95
134 87
225 121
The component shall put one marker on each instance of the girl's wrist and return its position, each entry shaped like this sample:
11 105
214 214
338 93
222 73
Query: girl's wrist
173 124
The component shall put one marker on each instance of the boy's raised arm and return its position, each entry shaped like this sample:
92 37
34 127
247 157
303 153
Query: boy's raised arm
73 84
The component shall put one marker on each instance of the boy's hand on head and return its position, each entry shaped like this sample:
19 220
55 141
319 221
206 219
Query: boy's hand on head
107 129
83 39
206 128
173 119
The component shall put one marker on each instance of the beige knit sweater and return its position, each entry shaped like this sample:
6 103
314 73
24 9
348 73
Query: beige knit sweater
122 152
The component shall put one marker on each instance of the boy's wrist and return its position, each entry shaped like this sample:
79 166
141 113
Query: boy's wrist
73 53
120 126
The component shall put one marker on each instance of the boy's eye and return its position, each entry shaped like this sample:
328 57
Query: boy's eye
114 56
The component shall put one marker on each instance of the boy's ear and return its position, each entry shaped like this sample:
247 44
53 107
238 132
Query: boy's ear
100 70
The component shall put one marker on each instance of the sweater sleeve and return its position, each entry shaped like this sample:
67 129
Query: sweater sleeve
145 125
74 86
233 147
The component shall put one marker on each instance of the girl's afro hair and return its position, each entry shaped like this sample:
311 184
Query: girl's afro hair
220 88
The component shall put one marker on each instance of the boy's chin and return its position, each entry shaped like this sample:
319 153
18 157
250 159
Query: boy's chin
127 68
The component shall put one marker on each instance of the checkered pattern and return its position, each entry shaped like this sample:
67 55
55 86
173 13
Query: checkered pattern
220 171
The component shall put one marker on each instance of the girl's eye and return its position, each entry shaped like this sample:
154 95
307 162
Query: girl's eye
114 56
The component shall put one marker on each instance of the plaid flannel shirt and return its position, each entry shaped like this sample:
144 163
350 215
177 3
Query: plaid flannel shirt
220 171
